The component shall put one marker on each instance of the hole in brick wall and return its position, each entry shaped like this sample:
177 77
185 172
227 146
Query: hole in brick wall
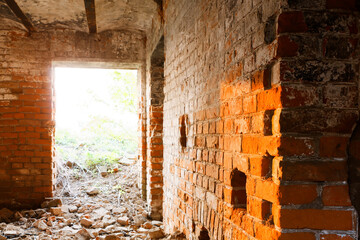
270 30
268 76
267 210
238 193
183 130
204 235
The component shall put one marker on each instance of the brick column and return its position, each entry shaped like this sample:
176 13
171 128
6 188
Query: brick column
317 56
154 162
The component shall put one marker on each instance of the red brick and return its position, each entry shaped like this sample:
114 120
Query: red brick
259 166
312 171
298 96
259 208
242 125
313 219
296 146
333 146
220 126
258 80
228 125
269 100
249 104
287 47
297 236
335 237
228 161
250 144
212 171
241 163
264 189
265 232
291 22
344 4
297 194
337 195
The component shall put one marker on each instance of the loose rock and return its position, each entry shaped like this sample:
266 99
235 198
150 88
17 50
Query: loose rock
138 220
83 234
93 192
86 222
40 224
119 210
112 237
73 209
108 220
55 211
147 225
124 221
55 203
155 233
109 215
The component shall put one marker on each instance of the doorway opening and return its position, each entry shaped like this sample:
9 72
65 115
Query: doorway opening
96 143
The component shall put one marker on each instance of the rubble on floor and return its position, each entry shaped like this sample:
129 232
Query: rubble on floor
112 210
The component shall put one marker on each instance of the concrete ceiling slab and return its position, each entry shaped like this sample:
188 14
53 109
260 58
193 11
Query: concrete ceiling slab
47 14
134 15
125 14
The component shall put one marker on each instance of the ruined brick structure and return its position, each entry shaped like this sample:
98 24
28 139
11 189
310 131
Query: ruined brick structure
248 113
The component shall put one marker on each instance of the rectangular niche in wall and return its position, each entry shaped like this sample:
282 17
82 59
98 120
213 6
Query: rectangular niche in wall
237 195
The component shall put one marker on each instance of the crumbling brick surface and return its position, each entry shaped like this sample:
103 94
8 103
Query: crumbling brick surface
154 157
247 134
27 107
270 89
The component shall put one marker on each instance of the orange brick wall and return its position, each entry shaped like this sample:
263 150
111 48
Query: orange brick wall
154 158
152 154
26 102
270 89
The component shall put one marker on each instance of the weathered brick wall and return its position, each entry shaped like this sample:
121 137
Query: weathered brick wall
154 158
26 100
152 153
318 46
270 91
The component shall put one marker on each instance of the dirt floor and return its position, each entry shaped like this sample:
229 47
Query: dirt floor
101 204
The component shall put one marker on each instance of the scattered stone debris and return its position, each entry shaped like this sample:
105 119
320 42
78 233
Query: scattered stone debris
93 192
41 225
127 161
113 210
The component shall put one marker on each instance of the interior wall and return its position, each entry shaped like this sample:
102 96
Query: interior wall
151 157
269 89
26 100
154 158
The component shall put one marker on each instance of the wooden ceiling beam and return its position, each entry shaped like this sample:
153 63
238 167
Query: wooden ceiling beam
91 15
20 14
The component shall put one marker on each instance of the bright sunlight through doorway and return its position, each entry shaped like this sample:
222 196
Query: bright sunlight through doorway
96 122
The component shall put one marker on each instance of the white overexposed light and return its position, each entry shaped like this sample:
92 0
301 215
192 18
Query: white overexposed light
75 90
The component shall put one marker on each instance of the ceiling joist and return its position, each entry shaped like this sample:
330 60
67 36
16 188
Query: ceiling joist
20 14
91 15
